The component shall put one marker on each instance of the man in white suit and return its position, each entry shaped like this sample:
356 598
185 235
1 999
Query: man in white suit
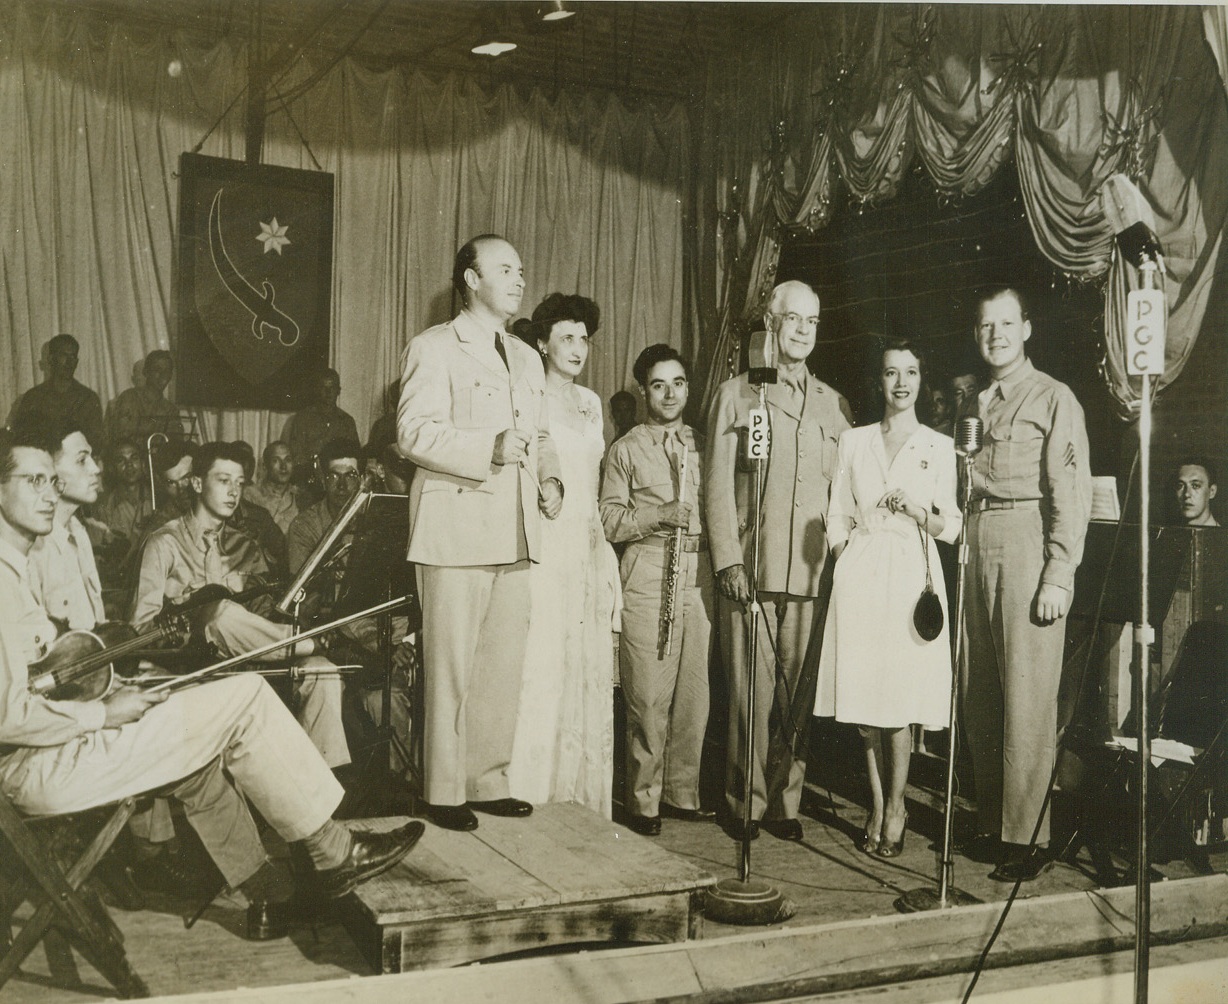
472 417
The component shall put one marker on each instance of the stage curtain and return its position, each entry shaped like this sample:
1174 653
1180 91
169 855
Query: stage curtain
853 96
588 189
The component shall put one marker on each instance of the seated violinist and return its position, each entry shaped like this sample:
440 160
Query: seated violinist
204 745
202 549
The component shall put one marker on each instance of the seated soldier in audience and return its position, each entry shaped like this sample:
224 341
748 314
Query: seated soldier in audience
256 521
1196 486
60 394
122 508
307 431
201 549
384 428
172 466
275 489
139 412
339 470
204 745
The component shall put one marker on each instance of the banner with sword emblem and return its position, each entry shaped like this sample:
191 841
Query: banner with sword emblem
255 282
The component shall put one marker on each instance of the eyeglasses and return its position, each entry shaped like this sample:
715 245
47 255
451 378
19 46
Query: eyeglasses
39 482
336 477
798 321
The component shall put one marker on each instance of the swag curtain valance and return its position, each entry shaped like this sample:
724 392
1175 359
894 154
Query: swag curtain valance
588 189
840 110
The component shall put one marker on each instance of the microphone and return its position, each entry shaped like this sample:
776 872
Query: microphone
969 435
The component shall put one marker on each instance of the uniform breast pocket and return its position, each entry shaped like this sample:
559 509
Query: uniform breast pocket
480 407
1016 451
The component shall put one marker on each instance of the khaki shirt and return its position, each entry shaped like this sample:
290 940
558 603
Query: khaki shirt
63 576
181 557
1035 449
641 476
306 531
25 633
806 425
282 506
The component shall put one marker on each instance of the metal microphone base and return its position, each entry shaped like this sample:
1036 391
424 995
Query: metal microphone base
749 903
923 900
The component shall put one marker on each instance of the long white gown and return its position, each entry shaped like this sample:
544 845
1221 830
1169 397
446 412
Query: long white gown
874 669
564 745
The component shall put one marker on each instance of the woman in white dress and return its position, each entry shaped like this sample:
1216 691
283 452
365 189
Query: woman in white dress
564 745
894 493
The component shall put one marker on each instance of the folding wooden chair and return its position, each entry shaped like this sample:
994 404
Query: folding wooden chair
60 901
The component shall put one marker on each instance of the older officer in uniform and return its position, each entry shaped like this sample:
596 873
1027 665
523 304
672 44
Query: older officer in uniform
807 417
1031 500
473 418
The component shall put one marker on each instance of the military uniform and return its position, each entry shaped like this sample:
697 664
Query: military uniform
1031 500
806 421
666 696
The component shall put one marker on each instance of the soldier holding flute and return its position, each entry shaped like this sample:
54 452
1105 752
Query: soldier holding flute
667 595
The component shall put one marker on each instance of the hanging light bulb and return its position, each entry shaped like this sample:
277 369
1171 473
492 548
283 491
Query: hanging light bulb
493 36
555 10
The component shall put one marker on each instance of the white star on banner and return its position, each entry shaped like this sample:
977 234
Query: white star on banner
273 236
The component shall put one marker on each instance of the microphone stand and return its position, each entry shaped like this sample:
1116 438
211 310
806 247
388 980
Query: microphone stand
744 900
922 899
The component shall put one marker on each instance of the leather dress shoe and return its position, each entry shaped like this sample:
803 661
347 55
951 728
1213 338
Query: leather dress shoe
512 807
687 815
370 854
985 848
645 826
1021 864
267 920
452 817
735 829
784 829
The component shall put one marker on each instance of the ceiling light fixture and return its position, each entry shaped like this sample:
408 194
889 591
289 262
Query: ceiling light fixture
493 48
494 31
555 10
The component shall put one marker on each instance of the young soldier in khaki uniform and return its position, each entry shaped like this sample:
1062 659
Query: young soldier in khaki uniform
1031 500
642 504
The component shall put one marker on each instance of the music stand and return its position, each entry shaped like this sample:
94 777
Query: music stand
377 570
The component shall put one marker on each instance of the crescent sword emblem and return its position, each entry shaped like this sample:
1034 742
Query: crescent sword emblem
266 317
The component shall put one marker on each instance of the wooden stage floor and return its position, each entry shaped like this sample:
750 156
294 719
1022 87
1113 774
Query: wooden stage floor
564 876
828 879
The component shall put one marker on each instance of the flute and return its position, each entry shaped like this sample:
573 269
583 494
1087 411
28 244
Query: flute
675 567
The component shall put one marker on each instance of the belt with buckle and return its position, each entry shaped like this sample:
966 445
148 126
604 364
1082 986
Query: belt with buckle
984 505
692 543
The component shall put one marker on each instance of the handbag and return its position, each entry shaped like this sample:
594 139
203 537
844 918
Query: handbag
927 614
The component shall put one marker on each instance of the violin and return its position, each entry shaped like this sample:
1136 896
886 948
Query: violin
81 665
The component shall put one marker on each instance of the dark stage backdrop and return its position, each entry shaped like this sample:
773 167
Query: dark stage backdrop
911 268
255 278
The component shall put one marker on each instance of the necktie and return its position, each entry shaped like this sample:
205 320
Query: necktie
501 350
214 573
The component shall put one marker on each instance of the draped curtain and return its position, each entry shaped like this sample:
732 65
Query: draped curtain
589 190
1071 94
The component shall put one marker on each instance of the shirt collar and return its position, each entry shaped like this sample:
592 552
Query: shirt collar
1013 379
470 329
197 531
12 557
657 434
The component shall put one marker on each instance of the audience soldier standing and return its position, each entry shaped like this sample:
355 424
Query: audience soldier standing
61 395
142 411
307 430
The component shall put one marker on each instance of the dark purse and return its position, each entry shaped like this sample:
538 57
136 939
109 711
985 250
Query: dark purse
927 614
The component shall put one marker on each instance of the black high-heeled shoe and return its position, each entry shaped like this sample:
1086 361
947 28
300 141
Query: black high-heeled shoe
894 848
868 844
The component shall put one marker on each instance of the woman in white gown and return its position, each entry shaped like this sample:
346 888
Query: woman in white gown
564 745
894 493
